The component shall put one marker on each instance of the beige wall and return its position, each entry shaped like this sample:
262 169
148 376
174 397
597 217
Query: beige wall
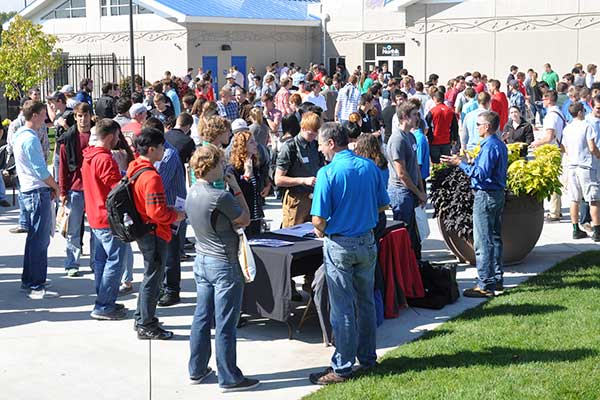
484 35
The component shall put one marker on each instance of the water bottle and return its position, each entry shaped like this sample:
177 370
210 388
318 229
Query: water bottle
127 221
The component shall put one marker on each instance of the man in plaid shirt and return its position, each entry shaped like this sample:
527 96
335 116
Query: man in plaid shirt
347 101
227 108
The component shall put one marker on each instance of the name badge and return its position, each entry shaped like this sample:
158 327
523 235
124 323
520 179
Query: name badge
414 147
305 160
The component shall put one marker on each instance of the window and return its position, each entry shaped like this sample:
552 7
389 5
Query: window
68 9
120 7
379 54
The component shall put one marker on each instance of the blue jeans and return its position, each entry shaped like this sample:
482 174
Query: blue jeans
172 281
23 217
109 254
219 287
154 251
128 267
350 272
403 203
2 189
487 237
38 207
76 205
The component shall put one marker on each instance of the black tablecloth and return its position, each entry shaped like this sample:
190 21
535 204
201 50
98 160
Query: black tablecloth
270 294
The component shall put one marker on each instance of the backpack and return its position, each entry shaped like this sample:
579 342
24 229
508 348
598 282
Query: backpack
441 287
124 220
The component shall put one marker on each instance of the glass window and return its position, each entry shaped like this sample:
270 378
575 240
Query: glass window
120 7
369 51
67 9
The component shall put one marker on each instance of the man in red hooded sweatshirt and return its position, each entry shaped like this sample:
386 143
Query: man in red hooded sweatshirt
150 201
100 173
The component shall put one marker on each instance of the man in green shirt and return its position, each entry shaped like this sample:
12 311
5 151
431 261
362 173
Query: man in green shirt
549 76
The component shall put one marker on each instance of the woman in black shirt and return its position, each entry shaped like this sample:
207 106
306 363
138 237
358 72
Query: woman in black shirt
517 130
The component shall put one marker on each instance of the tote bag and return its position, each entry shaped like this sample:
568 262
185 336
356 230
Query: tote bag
246 258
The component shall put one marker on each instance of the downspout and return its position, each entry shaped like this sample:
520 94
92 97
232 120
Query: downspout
324 19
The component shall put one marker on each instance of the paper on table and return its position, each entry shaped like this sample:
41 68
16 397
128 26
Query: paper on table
302 230
269 242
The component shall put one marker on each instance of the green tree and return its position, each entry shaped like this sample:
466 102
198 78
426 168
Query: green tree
5 16
27 57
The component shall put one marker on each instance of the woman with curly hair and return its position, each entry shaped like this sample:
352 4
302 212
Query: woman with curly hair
213 214
250 169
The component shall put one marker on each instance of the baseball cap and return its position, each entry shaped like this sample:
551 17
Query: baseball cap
469 79
136 109
58 95
238 125
67 89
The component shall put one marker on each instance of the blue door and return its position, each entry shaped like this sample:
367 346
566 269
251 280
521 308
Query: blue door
240 63
212 63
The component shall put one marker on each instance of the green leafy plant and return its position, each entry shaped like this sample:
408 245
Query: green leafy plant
27 57
538 177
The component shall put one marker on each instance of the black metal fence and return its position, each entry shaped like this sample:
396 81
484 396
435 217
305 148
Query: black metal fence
100 68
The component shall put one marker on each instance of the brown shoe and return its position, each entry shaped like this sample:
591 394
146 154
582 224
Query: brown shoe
477 293
327 377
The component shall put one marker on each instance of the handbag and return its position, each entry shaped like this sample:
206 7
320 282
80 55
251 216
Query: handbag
422 224
62 220
246 258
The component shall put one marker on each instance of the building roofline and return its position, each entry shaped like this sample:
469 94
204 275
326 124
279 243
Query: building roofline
251 21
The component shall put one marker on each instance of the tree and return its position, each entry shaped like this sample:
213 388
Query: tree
27 57
5 16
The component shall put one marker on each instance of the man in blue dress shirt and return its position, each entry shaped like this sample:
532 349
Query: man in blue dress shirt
488 179
348 196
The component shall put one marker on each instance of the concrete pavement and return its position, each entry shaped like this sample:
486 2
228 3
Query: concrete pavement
52 349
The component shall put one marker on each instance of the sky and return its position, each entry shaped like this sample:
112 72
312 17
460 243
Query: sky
12 5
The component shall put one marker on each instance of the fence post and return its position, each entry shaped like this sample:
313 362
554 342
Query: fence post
114 68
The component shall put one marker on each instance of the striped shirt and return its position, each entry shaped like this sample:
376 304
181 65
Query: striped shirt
348 98
172 174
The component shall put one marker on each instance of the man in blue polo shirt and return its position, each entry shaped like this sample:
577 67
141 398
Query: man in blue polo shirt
488 179
348 195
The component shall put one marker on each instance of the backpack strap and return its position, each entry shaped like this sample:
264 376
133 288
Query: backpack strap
137 174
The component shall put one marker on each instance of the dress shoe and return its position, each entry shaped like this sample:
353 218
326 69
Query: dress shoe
169 299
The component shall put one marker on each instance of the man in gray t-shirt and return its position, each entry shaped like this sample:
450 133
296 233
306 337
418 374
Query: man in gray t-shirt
405 185
211 212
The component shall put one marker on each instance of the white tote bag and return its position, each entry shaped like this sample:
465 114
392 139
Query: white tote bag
422 224
246 258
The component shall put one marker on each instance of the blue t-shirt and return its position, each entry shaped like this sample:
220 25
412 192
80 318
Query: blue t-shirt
348 194
422 153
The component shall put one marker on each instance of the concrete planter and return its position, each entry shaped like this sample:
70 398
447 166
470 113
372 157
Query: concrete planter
522 224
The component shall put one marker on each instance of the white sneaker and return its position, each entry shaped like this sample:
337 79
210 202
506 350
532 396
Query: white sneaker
41 294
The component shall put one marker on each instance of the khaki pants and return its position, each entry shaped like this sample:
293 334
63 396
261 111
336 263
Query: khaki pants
555 206
295 208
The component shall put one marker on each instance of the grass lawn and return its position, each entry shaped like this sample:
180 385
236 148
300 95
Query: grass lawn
540 340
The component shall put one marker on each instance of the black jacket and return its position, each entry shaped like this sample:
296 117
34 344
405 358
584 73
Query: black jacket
523 133
105 107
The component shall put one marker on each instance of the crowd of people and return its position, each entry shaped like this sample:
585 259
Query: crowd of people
337 148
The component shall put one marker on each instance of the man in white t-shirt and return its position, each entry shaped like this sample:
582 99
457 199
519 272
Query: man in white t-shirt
582 155
554 123
237 76
316 97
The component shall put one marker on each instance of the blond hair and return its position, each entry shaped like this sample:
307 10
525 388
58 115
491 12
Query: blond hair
213 127
205 159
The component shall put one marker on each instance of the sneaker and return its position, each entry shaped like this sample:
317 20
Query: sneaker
169 299
327 377
579 235
476 292
586 227
246 384
551 218
157 333
363 368
73 273
596 237
116 315
25 288
18 229
197 380
40 294
119 306
4 203
125 290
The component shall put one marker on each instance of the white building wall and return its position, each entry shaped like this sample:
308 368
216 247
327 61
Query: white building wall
450 38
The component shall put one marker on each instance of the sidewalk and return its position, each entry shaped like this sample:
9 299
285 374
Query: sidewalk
51 349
